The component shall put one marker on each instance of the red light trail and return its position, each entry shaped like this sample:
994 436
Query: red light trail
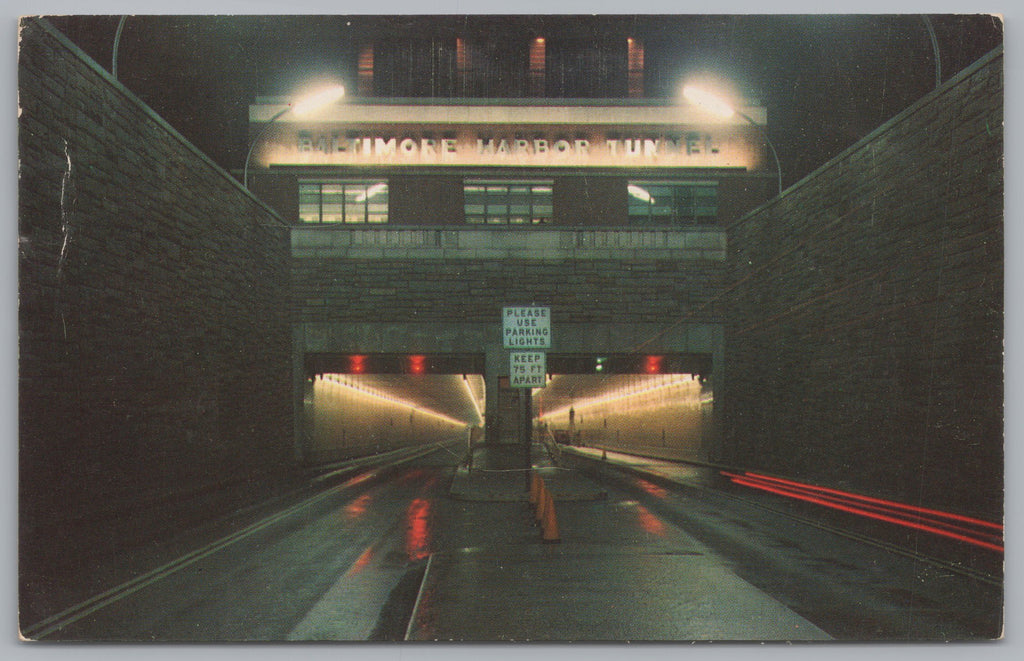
954 526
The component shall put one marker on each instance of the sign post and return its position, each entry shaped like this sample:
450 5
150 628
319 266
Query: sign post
526 327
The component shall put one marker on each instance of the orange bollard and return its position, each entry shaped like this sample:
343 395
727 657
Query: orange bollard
542 492
549 524
533 488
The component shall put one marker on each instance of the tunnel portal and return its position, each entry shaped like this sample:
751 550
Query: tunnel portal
647 405
654 404
365 403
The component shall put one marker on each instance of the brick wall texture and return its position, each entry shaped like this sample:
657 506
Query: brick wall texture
474 290
155 345
865 313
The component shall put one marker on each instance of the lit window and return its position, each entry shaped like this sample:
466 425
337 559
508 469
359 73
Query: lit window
357 201
666 202
507 202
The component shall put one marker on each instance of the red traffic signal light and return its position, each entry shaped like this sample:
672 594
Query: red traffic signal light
417 364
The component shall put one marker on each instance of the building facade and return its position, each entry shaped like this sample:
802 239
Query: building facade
422 207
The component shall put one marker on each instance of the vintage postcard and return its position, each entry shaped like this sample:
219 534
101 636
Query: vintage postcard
507 328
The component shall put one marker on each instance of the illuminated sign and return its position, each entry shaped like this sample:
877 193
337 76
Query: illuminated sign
465 147
479 135
691 144
526 327
527 369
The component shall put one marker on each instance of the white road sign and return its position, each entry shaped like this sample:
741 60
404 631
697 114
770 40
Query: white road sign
527 369
526 327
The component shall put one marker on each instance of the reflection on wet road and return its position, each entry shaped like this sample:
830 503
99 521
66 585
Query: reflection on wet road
346 547
393 554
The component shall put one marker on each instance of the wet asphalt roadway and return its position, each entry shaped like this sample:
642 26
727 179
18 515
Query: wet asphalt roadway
390 555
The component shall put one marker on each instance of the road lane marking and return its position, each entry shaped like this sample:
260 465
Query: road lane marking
74 613
351 607
419 597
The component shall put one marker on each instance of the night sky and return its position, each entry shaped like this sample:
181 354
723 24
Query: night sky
826 80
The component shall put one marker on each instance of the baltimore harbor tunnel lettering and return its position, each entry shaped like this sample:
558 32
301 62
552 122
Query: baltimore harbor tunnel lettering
431 148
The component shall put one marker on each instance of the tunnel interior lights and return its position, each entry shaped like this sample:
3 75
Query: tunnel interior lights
472 398
966 529
616 396
341 381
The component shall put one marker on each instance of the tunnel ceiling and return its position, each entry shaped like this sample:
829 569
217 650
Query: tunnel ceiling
444 393
566 389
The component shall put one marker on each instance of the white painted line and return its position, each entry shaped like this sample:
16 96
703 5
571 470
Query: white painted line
419 597
71 615
351 607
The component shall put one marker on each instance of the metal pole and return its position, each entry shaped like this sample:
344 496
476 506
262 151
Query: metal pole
935 49
117 42
528 431
266 127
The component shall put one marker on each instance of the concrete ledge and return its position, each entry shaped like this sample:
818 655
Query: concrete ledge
419 243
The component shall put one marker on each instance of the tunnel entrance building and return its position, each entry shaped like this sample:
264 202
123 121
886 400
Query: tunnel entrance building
417 218
466 347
